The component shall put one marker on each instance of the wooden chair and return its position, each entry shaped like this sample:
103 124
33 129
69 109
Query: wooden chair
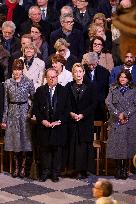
100 144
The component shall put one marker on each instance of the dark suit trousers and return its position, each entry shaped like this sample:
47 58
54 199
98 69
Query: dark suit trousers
50 159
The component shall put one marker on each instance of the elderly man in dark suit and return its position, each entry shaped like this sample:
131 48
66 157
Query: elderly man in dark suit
35 17
70 34
51 113
100 77
83 15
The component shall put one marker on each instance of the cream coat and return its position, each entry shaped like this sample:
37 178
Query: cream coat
35 72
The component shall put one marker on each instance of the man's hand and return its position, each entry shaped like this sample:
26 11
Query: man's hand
55 123
46 123
74 115
80 117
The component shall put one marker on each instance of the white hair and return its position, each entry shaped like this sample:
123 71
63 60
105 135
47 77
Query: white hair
9 24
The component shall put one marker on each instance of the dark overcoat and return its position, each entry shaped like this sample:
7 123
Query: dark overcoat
86 106
121 142
75 39
101 81
57 135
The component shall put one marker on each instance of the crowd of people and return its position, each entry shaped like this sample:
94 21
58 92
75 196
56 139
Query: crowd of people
60 66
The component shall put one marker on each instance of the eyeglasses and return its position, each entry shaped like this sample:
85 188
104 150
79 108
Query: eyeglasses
68 22
97 44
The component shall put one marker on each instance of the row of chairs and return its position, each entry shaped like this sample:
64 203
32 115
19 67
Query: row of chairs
99 143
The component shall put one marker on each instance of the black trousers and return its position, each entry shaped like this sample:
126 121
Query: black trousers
50 159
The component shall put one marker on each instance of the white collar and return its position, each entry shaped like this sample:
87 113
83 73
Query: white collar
128 68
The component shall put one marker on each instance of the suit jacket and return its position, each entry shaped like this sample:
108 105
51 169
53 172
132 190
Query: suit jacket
101 81
85 20
15 50
86 106
58 134
35 71
116 70
75 39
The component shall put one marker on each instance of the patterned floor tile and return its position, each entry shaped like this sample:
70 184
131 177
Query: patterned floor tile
6 180
124 198
27 189
131 192
24 201
123 185
6 197
89 201
63 184
57 197
85 191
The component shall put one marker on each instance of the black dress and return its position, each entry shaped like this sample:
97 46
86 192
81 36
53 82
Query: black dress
80 148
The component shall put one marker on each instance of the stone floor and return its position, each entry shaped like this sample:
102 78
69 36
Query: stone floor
19 191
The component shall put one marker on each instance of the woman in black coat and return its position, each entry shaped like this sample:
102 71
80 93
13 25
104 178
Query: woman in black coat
83 100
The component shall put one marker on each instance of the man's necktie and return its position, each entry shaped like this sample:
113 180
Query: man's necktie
90 76
43 14
51 96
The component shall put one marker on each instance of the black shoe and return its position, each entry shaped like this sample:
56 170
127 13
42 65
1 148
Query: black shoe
82 175
117 174
43 178
54 178
124 174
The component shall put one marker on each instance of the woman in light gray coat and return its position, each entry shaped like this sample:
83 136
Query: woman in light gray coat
15 117
121 103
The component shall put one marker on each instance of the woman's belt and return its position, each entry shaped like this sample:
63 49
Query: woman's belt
18 103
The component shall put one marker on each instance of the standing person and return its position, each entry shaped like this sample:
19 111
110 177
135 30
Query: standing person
35 17
34 67
62 48
70 34
10 43
51 114
83 101
128 64
39 42
121 103
58 63
15 117
105 58
102 191
100 77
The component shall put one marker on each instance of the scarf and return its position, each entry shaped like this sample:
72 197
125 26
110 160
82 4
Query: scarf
123 89
10 7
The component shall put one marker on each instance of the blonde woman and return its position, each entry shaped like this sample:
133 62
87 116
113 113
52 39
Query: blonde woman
34 67
83 100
